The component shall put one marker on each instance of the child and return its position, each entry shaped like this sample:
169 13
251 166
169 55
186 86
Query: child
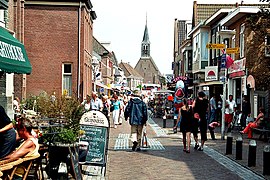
211 128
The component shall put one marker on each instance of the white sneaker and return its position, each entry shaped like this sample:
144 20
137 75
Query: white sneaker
115 126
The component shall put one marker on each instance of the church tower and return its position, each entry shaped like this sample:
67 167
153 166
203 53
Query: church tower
146 66
145 46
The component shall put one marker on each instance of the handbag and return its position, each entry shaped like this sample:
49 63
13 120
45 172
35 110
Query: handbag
111 108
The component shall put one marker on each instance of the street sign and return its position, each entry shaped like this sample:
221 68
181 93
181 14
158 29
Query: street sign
215 46
232 50
223 61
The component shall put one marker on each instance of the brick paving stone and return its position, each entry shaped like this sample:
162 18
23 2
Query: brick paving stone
170 163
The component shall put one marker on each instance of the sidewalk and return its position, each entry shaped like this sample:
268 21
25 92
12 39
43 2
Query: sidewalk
220 146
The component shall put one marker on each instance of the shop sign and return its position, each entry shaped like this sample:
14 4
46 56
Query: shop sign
183 78
237 66
211 73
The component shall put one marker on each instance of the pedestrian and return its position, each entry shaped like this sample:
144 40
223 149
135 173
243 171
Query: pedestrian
230 107
212 127
219 108
16 105
106 106
116 110
213 108
200 106
7 134
246 110
96 103
136 112
86 103
256 123
185 113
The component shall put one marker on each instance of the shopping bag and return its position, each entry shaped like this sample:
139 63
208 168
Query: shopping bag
144 139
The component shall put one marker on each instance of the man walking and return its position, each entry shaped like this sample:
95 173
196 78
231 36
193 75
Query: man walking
136 111
213 108
230 107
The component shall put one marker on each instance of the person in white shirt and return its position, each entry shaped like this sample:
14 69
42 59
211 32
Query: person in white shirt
96 103
87 103
230 107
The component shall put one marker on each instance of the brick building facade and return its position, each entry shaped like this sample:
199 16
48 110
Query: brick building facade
58 39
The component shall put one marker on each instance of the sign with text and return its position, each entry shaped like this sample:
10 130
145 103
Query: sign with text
97 139
215 46
94 118
232 50
211 73
94 126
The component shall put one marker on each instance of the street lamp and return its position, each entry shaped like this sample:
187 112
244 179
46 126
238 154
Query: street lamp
225 34
95 64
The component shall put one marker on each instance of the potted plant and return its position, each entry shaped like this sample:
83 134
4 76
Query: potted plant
61 116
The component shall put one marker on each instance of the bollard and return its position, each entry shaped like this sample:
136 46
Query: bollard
229 144
164 121
239 143
252 153
266 160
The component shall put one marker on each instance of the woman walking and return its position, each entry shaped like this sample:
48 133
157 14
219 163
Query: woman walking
116 110
185 114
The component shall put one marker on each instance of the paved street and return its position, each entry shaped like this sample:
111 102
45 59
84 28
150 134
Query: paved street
164 159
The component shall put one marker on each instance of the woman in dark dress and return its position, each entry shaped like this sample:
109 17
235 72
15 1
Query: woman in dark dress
186 126
7 134
200 107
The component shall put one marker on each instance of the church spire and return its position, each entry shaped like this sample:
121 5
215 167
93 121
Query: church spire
145 46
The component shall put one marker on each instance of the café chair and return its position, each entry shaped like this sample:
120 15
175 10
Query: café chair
28 161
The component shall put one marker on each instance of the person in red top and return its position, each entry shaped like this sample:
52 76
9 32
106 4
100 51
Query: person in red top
256 123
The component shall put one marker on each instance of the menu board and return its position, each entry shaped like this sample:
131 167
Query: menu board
97 139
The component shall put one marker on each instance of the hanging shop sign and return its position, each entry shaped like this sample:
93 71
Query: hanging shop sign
211 73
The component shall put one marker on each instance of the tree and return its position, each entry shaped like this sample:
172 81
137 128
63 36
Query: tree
257 27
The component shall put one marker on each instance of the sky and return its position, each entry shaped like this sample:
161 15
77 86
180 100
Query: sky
122 23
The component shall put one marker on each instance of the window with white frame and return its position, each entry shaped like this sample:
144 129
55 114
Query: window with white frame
242 41
267 45
67 79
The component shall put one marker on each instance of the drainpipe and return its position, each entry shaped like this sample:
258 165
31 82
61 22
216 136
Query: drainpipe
79 51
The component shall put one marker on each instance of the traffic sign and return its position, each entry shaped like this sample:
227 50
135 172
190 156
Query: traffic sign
215 46
232 50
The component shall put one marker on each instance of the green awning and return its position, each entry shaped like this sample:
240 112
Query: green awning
13 57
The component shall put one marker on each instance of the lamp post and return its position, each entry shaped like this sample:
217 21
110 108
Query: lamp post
225 34
95 64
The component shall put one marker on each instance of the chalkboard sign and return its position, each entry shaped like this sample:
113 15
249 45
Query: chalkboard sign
75 163
97 139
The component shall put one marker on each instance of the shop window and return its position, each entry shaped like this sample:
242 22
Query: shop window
67 79
267 45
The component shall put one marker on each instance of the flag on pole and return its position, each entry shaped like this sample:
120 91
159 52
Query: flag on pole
229 60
